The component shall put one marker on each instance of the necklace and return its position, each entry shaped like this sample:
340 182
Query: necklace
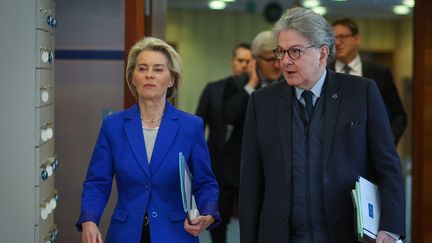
153 120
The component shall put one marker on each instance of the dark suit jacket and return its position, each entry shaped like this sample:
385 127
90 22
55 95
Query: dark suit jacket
385 82
357 141
210 109
234 105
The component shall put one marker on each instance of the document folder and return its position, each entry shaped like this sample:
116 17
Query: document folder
188 200
367 213
367 209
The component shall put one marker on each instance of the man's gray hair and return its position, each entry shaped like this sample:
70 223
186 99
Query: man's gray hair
310 25
263 42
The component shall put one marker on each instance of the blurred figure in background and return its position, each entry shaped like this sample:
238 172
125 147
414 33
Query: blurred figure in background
210 109
349 61
262 71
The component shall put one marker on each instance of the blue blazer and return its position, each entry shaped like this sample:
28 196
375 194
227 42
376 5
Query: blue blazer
148 188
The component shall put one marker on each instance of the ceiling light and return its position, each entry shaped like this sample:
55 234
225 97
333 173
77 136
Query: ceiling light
217 5
340 0
401 10
311 3
409 3
320 10
228 1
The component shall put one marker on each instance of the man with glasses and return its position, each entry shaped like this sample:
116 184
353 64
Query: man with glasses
349 61
210 109
262 71
308 139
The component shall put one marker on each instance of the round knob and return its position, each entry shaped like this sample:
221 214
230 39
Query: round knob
44 214
44 135
54 23
44 96
45 55
49 170
48 208
50 57
54 165
44 175
50 20
49 133
53 203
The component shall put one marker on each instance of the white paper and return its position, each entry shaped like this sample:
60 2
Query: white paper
186 178
370 207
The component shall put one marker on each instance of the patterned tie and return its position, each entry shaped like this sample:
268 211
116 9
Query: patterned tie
346 69
307 96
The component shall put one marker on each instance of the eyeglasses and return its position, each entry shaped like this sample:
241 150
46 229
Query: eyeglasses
294 53
343 37
268 60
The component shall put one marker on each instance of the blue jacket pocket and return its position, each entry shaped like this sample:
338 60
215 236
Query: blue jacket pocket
177 215
120 215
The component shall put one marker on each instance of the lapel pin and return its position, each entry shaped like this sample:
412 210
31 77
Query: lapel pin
334 96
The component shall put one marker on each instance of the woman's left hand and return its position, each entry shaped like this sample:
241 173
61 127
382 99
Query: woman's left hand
198 225
383 237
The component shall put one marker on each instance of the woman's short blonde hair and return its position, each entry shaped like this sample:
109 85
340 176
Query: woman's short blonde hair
154 44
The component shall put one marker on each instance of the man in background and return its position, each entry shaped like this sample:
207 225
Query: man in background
210 109
263 70
349 61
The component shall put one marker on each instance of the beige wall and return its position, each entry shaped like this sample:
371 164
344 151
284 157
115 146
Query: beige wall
394 36
205 39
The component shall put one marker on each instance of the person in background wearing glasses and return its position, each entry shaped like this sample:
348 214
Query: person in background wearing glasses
308 139
210 109
349 61
263 70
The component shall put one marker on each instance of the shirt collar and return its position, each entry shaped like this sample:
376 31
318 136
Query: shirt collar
316 89
355 65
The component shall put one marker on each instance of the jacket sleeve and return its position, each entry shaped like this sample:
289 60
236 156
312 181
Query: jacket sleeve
385 165
203 109
234 103
98 182
251 179
394 104
205 188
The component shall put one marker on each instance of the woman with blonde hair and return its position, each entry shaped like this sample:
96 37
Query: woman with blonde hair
140 146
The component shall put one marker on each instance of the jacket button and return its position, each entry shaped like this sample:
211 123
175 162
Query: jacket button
154 214
148 185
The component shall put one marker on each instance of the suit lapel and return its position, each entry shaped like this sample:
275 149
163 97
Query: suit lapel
166 134
284 111
332 103
366 70
133 130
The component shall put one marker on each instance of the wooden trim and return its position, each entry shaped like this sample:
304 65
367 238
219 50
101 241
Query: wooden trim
136 24
422 123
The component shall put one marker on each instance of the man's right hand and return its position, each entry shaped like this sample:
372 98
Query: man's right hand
90 233
252 74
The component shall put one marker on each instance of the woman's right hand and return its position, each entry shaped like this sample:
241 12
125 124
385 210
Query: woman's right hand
90 233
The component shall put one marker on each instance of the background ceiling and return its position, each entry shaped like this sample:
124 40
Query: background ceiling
376 9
